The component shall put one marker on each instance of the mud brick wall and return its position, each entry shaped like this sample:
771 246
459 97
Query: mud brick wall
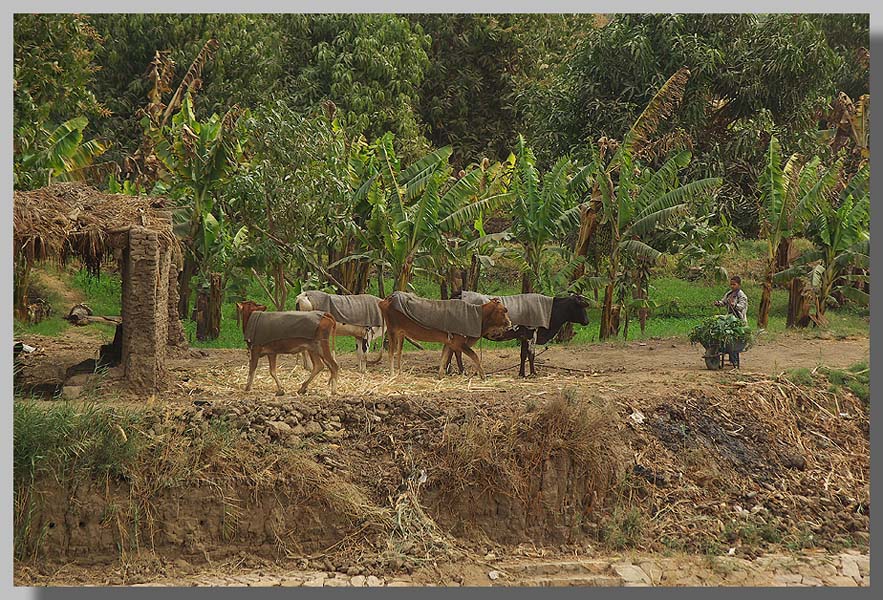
146 277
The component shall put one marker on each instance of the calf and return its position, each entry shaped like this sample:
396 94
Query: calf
494 319
567 309
317 347
362 334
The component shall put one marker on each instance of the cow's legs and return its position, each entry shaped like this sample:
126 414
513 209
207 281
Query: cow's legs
531 355
361 353
252 365
333 367
445 360
459 356
308 364
272 359
317 368
401 345
523 357
471 354
392 341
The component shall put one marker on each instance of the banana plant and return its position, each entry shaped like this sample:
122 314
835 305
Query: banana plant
198 157
787 193
64 155
840 233
543 209
418 205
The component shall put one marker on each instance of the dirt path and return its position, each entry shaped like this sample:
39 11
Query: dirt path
655 366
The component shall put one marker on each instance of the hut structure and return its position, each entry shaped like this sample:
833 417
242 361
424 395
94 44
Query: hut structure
72 220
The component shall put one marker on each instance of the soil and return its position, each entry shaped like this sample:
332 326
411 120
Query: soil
486 475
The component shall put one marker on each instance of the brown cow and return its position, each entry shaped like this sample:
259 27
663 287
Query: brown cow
494 319
318 349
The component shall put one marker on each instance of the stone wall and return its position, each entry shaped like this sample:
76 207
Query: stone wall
146 275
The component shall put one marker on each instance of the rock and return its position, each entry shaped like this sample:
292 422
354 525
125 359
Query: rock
292 583
398 583
849 568
279 429
298 430
337 582
312 427
840 581
631 573
358 581
793 461
493 575
812 581
787 579
315 582
71 392
864 565
373 581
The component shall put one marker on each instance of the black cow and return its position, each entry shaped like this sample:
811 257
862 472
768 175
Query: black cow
567 309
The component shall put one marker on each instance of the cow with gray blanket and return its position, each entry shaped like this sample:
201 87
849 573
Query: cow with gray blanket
454 323
356 315
292 332
535 318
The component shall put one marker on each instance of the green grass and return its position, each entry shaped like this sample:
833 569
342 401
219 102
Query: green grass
681 306
856 378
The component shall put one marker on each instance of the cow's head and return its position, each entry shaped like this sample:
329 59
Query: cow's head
577 312
494 317
244 310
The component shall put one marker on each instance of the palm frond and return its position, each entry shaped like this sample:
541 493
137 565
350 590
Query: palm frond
658 109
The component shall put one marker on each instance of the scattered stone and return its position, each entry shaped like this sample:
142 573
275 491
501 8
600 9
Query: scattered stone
293 583
358 581
840 581
849 568
312 427
493 575
398 583
337 582
373 581
631 573
315 582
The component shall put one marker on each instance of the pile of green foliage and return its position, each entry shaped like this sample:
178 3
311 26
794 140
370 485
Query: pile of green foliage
721 331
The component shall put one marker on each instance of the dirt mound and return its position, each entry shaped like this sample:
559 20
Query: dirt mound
392 481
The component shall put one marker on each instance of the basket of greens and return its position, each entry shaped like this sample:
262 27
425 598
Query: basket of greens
720 334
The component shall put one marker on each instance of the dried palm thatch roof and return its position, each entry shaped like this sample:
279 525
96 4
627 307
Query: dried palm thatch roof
72 219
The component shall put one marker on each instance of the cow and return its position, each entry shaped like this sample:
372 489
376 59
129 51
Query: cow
364 335
494 318
567 309
315 345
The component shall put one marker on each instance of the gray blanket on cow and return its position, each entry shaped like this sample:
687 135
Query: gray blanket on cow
450 316
528 310
265 327
357 309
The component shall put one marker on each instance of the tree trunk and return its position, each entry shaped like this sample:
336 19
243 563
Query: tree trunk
21 283
763 314
607 314
443 288
526 283
798 304
280 288
208 310
184 279
783 255
474 274
380 287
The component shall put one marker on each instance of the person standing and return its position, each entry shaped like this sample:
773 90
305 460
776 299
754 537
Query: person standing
737 305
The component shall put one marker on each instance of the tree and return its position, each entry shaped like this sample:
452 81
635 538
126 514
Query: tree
542 210
412 206
786 193
641 199
750 74
841 239
198 157
53 74
369 65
